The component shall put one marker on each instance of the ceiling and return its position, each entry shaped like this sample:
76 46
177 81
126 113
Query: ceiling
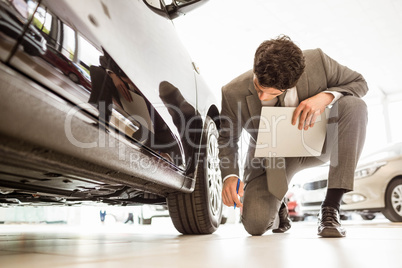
365 35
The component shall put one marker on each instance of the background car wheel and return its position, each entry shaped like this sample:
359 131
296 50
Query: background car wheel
74 78
393 201
201 211
143 221
31 50
344 217
367 217
296 218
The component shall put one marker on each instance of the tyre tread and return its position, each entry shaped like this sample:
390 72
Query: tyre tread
188 211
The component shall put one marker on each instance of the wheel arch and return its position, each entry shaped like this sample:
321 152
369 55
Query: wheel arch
213 113
389 210
396 177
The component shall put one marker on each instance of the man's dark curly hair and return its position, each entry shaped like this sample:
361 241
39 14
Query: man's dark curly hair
278 63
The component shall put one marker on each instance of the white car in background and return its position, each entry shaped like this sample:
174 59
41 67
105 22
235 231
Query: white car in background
377 187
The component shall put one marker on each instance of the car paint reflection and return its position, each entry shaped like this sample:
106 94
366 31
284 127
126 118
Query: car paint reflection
13 23
166 123
67 67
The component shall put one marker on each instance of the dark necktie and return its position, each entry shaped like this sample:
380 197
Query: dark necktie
276 168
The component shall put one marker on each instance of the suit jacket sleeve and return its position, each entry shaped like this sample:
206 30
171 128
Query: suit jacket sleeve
342 79
229 135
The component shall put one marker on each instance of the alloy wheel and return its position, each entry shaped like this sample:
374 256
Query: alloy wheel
213 172
396 199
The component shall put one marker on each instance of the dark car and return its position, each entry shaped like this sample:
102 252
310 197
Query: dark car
147 131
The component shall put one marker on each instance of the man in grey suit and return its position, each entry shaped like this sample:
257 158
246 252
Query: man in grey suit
283 75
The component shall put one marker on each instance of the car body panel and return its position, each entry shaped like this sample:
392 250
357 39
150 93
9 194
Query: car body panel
157 36
47 123
120 156
373 187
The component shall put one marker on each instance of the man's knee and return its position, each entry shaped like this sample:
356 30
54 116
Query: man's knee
260 208
352 107
258 219
256 226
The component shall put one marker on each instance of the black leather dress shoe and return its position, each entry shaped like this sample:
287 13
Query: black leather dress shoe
329 223
284 221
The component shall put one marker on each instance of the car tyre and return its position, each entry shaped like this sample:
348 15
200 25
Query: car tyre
143 221
296 218
393 201
200 212
73 77
344 217
367 217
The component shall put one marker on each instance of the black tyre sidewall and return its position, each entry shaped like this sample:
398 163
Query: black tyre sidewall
73 77
368 217
192 213
389 211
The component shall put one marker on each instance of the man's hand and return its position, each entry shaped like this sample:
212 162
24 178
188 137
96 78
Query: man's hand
121 87
229 194
310 109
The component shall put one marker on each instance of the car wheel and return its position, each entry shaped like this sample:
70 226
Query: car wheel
143 221
73 77
367 217
224 220
296 218
393 201
201 211
31 50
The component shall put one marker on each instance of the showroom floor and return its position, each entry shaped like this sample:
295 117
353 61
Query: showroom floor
376 243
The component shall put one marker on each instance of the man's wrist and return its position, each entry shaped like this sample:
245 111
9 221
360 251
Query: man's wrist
228 176
336 96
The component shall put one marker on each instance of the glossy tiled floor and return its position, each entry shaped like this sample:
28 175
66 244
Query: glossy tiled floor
368 244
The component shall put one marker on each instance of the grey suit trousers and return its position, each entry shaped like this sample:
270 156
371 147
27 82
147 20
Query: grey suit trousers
346 132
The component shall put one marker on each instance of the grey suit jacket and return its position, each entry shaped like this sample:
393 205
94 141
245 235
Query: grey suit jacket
241 107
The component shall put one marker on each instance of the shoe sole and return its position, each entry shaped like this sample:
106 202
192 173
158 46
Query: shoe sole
331 232
277 231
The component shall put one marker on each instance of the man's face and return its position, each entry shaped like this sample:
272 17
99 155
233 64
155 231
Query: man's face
266 93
